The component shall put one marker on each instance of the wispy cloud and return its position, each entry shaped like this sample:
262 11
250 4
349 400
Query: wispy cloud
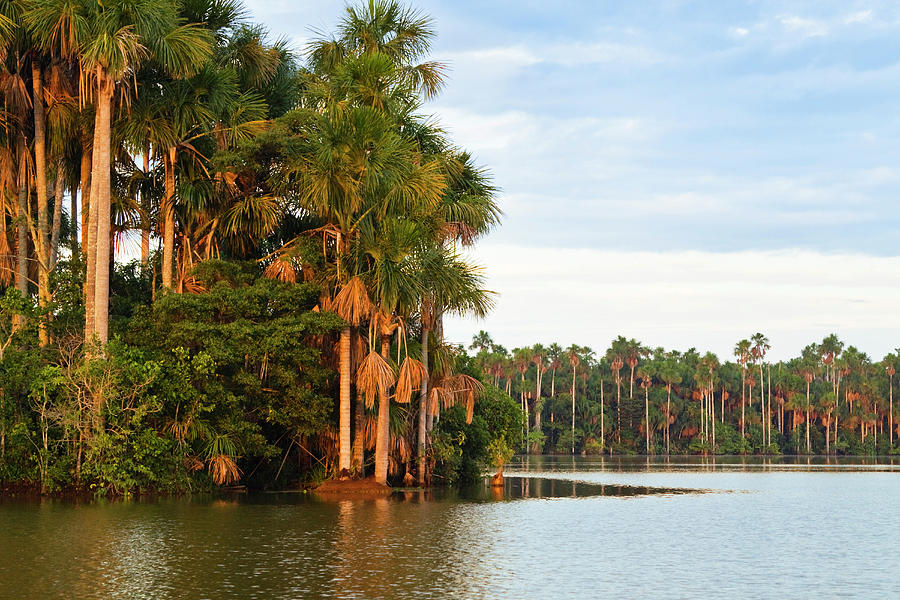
560 54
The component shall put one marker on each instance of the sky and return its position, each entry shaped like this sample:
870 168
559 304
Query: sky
684 172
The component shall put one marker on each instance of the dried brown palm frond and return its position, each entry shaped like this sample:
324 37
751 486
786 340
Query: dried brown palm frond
375 376
469 388
409 379
7 259
281 269
400 455
223 469
192 463
466 384
370 431
439 395
352 303
178 429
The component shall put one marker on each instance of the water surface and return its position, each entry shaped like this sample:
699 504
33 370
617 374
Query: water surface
561 528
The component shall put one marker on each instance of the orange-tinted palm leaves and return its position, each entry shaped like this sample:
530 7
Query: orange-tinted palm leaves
375 376
352 303
409 379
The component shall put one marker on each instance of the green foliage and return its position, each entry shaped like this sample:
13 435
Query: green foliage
463 451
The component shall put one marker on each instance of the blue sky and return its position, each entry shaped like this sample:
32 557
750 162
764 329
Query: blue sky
684 172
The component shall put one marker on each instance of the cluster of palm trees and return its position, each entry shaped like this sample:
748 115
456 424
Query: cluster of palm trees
182 122
830 399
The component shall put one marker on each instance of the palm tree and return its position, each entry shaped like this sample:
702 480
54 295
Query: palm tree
646 378
111 40
481 341
888 362
574 359
758 351
538 360
633 353
742 352
554 352
670 376
808 373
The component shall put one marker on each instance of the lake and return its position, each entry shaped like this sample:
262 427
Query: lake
561 528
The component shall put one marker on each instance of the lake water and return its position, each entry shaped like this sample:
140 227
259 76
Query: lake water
561 528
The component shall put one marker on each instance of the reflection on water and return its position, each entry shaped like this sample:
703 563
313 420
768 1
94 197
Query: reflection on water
558 528
524 488
527 464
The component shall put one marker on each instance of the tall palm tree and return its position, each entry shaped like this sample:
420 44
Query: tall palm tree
574 359
670 376
742 352
758 351
889 367
808 373
111 40
646 381
539 367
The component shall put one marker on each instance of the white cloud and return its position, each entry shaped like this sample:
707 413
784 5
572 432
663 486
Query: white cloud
683 299
806 28
512 58
863 16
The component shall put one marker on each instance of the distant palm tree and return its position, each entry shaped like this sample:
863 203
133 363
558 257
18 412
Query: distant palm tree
646 378
758 351
808 373
890 369
573 360
742 352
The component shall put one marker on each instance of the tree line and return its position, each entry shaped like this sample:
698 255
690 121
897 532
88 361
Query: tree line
300 218
632 398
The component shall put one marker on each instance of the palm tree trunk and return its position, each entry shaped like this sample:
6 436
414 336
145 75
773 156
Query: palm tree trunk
743 402
769 409
59 192
668 414
88 236
145 209
101 177
358 458
168 258
647 417
73 218
344 406
383 434
891 410
573 410
42 240
618 408
762 401
537 409
22 229
423 401
808 447
602 427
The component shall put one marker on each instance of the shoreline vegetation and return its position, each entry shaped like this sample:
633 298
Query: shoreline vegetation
832 400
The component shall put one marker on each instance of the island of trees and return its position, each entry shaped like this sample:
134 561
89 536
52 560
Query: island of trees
299 218
297 221
631 398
